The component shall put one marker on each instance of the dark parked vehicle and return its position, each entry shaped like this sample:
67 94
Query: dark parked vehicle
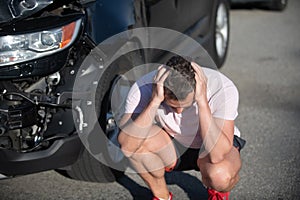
42 46
278 5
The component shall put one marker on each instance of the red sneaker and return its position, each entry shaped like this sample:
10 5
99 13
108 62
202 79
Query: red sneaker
215 195
170 197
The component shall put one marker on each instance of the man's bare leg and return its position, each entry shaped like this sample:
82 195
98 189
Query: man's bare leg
222 176
151 158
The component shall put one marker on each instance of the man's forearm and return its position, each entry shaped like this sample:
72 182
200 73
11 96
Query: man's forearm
215 141
140 126
137 130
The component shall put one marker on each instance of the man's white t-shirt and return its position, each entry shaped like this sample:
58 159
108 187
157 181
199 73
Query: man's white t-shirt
223 99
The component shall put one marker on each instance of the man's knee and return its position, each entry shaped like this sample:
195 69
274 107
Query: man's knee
127 148
221 179
131 145
126 144
154 141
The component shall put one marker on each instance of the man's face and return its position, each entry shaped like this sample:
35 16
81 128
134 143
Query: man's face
179 106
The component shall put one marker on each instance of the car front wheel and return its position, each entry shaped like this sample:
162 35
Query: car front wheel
221 32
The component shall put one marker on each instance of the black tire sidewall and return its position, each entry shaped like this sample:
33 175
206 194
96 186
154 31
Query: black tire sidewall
103 99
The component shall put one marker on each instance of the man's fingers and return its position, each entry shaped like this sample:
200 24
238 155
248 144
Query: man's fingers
165 75
159 72
198 70
162 74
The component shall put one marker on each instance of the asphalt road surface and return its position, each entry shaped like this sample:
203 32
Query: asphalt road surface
264 62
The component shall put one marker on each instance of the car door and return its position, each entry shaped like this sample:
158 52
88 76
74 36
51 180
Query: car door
178 15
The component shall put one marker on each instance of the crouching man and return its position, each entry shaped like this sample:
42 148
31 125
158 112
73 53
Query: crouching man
181 117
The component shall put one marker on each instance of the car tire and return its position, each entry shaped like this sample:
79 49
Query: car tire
221 29
278 5
87 167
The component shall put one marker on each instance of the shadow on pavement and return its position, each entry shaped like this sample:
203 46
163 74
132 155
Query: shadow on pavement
191 185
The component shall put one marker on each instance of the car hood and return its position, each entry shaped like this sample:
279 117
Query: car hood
13 10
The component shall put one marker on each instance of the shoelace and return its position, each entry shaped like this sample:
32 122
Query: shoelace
215 195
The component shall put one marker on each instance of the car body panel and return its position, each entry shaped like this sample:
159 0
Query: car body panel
119 12
103 19
178 15
62 153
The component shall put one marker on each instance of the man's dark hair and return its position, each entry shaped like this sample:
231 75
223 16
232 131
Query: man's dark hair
181 80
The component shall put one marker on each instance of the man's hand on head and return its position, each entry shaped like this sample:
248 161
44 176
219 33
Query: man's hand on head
158 84
201 84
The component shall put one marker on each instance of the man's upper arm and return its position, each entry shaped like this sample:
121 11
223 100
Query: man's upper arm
135 104
224 103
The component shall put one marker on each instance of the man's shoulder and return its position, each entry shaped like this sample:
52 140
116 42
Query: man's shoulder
146 79
216 76
142 88
212 72
218 83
